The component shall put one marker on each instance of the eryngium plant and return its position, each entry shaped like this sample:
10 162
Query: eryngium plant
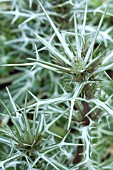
77 121
35 140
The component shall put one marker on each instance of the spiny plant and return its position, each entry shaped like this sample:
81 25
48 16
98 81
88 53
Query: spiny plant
26 18
82 72
36 142
18 40
78 120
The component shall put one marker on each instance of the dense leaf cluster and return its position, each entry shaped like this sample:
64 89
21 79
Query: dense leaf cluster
56 109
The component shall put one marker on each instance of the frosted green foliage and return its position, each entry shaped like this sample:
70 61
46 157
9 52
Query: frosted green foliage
66 121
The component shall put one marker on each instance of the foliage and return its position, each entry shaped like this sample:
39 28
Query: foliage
56 111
